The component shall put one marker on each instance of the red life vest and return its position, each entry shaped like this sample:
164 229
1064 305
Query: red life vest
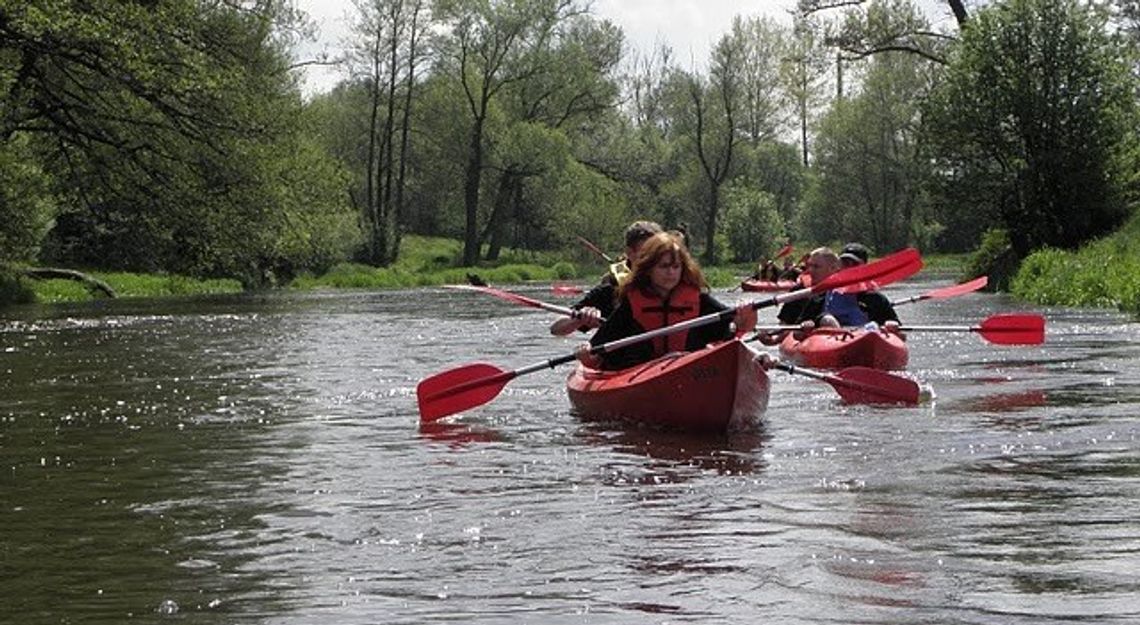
651 313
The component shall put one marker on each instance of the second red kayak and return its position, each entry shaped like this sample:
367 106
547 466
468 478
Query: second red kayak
719 388
767 286
839 349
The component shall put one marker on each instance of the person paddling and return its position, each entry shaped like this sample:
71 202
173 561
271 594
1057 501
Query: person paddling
876 306
598 303
665 287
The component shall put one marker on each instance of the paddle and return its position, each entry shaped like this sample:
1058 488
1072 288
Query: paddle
1002 329
947 291
862 385
595 249
514 297
473 385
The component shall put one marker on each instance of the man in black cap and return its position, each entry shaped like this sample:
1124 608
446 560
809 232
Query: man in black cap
854 254
876 305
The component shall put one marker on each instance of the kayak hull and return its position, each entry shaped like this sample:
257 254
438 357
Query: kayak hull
719 388
767 286
839 349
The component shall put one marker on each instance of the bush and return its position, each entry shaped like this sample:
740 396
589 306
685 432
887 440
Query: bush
14 290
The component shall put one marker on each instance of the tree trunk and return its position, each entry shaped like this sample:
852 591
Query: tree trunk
471 194
53 273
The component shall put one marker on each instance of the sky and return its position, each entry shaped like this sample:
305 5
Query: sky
690 27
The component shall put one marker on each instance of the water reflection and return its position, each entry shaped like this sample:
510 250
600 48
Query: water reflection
670 457
458 435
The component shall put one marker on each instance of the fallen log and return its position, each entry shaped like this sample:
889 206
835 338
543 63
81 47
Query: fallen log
55 273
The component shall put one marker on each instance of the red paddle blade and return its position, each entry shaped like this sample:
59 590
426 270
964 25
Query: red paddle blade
1013 329
459 389
901 264
784 251
864 385
959 289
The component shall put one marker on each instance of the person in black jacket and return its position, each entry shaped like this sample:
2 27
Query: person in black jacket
876 305
598 303
665 287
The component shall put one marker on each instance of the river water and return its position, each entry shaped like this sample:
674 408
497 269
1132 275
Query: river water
258 459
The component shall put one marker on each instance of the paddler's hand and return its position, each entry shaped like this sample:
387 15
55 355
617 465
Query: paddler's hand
766 362
585 357
588 316
745 319
770 338
806 328
892 327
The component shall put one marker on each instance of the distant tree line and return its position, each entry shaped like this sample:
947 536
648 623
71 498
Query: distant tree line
172 136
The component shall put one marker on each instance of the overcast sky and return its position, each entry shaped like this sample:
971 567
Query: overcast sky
689 26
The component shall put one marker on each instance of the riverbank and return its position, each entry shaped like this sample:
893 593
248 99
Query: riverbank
1102 274
424 261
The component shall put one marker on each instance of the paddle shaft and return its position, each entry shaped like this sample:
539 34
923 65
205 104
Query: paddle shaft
520 299
595 249
949 291
876 387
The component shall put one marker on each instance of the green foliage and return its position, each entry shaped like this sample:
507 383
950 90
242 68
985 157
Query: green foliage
429 261
752 224
564 270
131 285
870 169
1105 273
172 137
1047 146
14 290
995 243
721 277
26 202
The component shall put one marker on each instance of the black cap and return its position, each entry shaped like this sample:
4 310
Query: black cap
855 252
639 231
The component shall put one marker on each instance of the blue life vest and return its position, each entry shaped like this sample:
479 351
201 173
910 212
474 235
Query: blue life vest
845 308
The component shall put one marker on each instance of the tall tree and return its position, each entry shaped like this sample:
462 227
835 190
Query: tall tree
155 121
491 46
803 76
1050 141
386 58
714 107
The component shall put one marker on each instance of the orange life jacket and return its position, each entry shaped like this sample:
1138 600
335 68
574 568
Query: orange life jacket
651 313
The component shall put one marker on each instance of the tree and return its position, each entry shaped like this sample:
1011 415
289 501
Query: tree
870 168
1050 141
387 56
157 123
491 46
803 73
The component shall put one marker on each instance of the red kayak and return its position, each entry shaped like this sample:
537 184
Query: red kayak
718 388
839 348
756 285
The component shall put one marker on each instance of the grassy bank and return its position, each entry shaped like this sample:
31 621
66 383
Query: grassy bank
129 285
1102 274
423 261
428 261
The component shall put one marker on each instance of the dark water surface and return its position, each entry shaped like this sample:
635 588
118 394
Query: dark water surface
258 459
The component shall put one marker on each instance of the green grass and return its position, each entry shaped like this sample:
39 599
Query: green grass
1104 273
130 285
428 261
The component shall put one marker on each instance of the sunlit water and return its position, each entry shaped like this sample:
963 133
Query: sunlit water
259 460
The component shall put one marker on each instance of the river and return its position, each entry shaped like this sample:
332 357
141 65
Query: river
258 459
